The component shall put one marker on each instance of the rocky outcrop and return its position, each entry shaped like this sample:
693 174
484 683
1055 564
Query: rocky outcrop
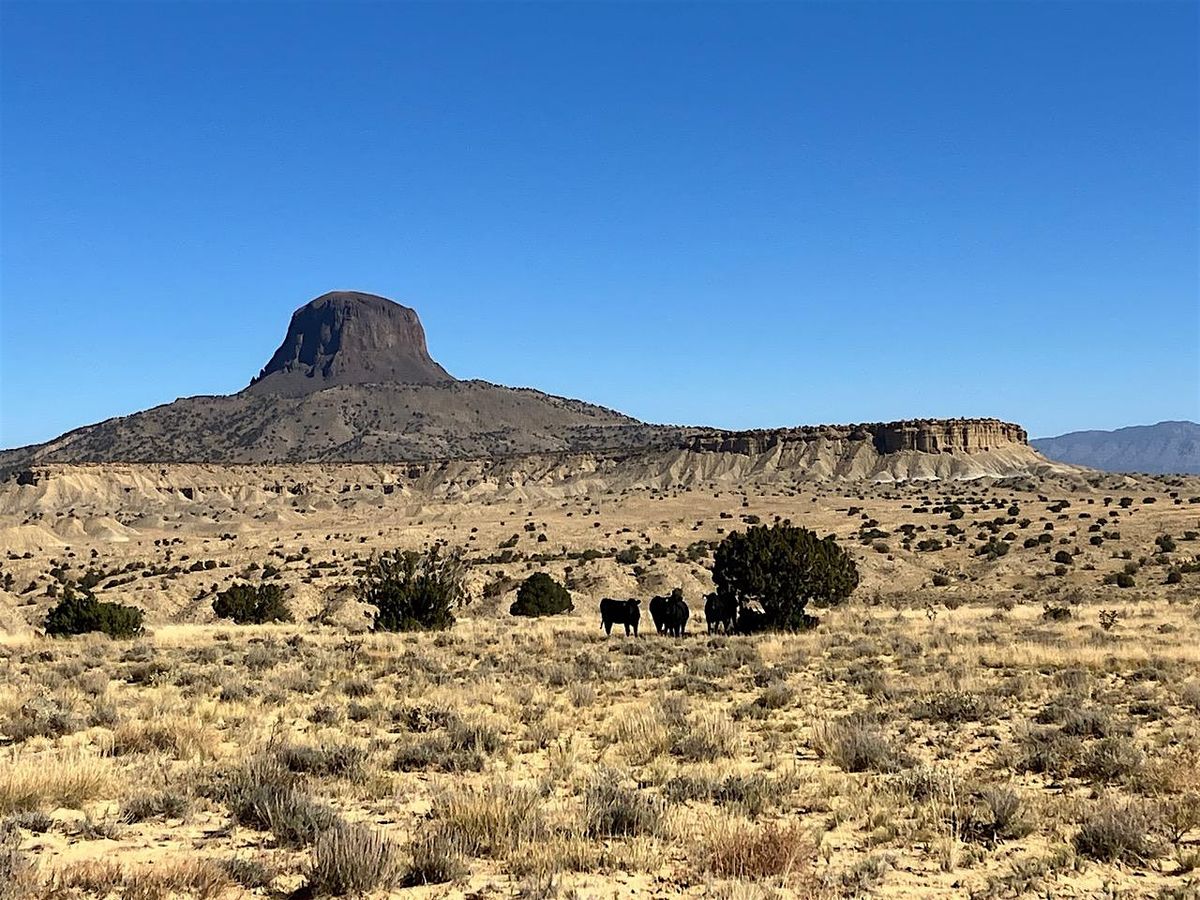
919 435
346 337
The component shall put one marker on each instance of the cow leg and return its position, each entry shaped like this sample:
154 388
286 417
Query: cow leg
607 627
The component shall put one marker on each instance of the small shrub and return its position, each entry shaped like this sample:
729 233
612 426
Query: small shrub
41 718
161 805
414 591
249 873
252 605
998 815
83 614
352 859
336 760
956 707
765 852
1116 830
706 739
493 820
612 810
1050 752
435 857
856 744
541 595
268 797
1109 759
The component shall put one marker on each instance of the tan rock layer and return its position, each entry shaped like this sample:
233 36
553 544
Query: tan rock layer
921 435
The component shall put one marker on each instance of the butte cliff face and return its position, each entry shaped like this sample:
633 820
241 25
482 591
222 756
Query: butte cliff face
353 382
347 337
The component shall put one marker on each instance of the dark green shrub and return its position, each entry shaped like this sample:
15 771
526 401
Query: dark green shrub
414 591
250 605
83 613
541 595
993 549
783 568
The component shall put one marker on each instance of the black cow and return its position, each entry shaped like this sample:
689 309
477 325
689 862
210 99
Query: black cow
751 619
658 612
670 613
620 612
677 614
720 613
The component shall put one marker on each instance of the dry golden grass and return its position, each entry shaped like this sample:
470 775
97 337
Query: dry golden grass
52 780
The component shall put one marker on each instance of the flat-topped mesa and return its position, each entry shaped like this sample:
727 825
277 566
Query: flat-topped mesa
347 337
921 435
948 435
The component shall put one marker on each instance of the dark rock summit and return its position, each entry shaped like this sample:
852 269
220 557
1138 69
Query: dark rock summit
347 337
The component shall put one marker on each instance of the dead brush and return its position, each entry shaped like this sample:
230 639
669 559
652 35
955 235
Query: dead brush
435 856
69 780
160 805
183 738
956 707
611 809
18 871
322 761
353 859
707 737
200 879
856 743
1119 830
494 820
780 852
642 734
265 796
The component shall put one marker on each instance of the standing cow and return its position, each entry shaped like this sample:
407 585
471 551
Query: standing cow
620 612
658 612
720 613
677 614
670 613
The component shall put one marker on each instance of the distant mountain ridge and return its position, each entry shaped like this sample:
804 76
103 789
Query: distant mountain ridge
1167 448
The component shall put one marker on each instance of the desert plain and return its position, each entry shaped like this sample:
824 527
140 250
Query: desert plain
988 715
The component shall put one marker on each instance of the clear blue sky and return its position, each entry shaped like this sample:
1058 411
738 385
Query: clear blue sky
740 215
